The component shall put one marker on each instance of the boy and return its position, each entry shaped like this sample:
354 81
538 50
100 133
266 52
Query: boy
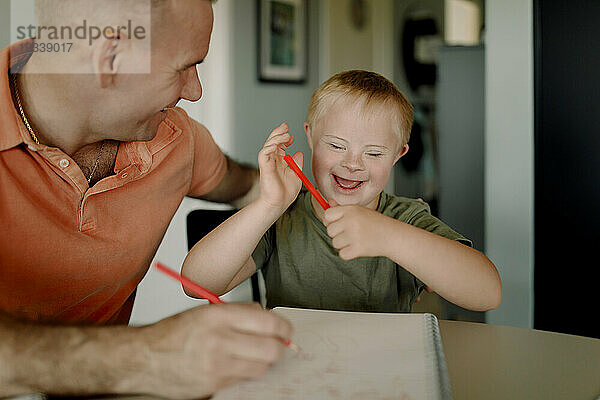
370 251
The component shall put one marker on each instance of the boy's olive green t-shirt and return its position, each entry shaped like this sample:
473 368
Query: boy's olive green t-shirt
302 269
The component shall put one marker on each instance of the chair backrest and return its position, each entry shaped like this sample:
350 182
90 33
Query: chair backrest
200 222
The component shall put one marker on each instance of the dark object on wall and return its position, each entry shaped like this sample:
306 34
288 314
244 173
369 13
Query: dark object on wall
567 166
418 33
282 41
201 222
410 161
358 13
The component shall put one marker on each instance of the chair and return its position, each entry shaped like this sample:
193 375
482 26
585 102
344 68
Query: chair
201 222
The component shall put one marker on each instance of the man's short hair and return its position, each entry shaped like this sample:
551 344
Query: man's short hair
51 12
371 88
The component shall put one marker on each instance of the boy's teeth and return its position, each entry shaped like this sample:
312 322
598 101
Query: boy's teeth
347 184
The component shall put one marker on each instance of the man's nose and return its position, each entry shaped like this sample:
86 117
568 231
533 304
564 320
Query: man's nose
192 88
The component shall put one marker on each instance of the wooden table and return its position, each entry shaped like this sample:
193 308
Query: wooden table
500 362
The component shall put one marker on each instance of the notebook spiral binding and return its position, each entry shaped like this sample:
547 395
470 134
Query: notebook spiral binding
436 360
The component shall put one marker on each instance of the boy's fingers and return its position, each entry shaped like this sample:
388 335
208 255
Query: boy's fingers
281 138
340 241
298 159
268 150
283 128
283 141
272 147
334 229
332 214
347 253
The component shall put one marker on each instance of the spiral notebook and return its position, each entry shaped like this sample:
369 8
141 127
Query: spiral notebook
354 355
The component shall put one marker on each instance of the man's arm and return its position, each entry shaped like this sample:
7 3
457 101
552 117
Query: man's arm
190 355
238 187
64 360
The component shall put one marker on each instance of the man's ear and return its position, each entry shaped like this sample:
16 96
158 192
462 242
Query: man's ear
308 134
401 153
107 55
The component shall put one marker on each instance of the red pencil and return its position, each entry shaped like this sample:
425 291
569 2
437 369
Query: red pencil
290 161
205 293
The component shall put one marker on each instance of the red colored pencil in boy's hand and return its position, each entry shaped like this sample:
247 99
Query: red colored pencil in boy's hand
205 294
290 161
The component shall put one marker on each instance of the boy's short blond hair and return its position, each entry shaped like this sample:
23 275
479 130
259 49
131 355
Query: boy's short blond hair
371 88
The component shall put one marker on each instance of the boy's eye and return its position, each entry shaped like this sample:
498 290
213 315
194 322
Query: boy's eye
336 147
374 154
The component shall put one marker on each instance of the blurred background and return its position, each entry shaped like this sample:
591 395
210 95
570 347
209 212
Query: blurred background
504 148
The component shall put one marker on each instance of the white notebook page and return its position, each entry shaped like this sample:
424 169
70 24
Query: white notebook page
350 356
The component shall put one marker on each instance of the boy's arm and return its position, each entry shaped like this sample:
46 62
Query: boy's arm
456 272
222 259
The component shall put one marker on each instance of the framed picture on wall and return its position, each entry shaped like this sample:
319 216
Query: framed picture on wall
282 43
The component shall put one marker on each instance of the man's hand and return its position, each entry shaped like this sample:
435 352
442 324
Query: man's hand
355 231
279 185
189 355
198 352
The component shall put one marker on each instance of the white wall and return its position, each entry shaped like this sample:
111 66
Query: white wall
349 47
4 23
509 156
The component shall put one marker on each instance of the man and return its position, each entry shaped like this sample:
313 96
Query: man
92 168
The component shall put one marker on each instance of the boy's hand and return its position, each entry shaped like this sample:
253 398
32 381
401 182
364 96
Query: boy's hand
355 231
427 289
279 185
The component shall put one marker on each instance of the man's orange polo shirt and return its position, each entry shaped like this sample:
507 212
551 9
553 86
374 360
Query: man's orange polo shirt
74 254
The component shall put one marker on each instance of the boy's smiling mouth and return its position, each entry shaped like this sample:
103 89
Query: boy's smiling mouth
346 184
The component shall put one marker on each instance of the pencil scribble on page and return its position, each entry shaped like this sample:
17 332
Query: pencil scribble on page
345 357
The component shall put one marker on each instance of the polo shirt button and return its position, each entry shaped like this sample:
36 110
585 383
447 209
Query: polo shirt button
30 147
64 163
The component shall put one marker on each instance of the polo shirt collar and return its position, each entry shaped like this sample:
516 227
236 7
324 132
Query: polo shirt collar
12 129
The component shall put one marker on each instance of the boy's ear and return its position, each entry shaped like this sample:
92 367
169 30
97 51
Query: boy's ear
401 153
308 134
107 55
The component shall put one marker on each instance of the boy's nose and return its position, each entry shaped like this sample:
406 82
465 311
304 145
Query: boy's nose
353 162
